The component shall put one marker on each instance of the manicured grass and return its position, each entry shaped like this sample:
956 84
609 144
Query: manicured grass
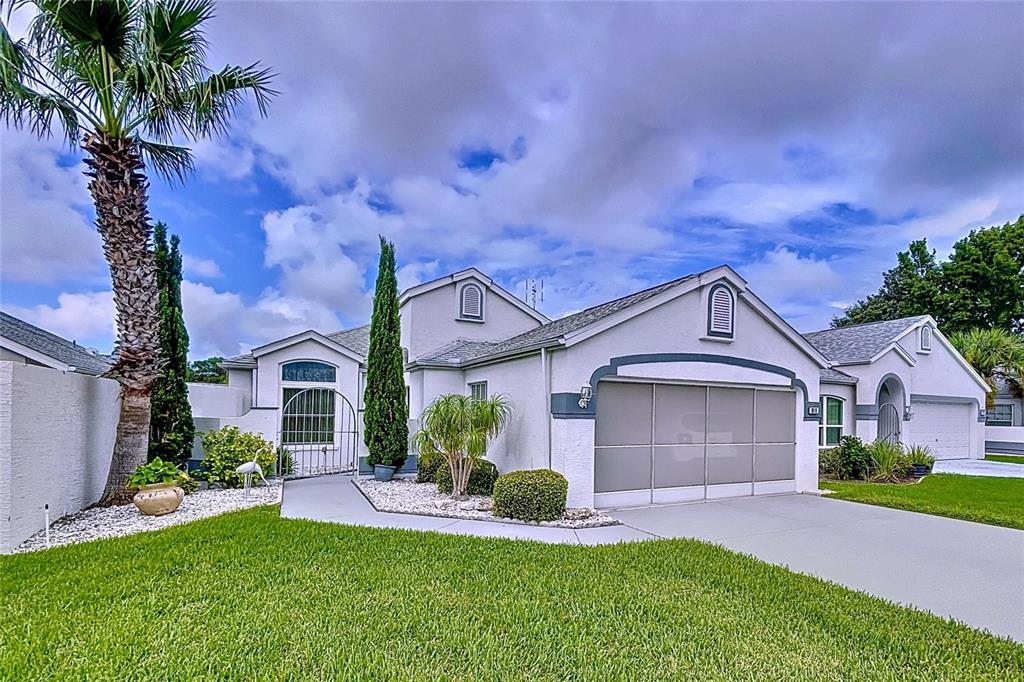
252 596
1012 459
986 499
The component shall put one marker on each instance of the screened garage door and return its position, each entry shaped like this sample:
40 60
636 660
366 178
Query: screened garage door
944 428
661 443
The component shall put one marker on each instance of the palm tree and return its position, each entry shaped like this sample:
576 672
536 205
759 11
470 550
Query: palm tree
458 428
125 79
997 355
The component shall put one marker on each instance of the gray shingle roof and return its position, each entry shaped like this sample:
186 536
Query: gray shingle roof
834 376
462 352
70 353
860 343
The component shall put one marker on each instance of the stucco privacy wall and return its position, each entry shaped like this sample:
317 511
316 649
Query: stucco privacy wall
217 400
429 319
56 437
677 327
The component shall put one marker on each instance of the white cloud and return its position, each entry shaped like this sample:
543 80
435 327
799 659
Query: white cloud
411 274
797 287
78 316
201 267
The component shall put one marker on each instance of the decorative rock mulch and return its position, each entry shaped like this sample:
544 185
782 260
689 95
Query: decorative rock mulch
109 522
405 496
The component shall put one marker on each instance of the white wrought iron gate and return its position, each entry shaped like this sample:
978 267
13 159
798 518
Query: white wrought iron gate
319 433
889 423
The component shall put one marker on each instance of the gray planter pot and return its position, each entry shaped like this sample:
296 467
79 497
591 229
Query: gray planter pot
383 472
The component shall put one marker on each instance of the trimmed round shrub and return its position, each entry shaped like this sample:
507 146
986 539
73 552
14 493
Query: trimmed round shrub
481 478
426 468
531 495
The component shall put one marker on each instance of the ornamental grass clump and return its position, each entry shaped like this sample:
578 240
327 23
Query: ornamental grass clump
888 462
531 495
458 428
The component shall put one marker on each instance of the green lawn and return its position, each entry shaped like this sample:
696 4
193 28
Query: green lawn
1012 459
252 596
986 499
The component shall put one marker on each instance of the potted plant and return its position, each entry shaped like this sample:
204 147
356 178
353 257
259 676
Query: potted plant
920 460
159 492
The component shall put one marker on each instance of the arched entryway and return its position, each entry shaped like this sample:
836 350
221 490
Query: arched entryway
319 433
890 401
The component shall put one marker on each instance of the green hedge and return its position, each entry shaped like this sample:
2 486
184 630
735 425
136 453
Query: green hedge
531 495
426 468
481 478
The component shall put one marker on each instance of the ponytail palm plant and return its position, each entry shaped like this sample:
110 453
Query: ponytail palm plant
125 79
459 429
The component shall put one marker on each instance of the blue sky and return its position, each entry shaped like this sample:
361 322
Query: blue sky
603 148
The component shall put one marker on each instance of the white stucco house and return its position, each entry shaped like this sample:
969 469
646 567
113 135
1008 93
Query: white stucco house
689 390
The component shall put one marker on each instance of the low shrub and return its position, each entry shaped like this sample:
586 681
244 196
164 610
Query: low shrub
848 460
227 448
284 464
888 462
427 466
531 495
481 478
920 455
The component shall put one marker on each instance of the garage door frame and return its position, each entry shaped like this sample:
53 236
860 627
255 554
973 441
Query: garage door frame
921 437
651 494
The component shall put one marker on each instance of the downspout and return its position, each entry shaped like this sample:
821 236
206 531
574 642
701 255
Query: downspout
546 383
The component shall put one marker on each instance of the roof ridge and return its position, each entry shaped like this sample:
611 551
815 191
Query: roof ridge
863 324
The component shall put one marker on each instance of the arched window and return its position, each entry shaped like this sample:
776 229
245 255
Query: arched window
308 370
830 430
471 304
926 338
721 312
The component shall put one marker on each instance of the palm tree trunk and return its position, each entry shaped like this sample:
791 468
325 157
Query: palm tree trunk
119 190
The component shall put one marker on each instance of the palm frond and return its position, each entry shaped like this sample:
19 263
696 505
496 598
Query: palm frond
214 100
87 27
172 162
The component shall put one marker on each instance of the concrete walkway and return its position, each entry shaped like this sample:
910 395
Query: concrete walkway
979 467
968 571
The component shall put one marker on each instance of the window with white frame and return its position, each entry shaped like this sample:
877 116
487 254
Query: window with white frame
478 390
831 428
721 312
926 338
1000 415
471 302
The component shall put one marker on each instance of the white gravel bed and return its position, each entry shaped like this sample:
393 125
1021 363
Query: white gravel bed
405 496
126 519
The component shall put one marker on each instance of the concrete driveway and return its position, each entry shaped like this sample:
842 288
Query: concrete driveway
968 571
979 467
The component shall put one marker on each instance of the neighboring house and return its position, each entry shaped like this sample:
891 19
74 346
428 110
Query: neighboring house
1004 430
27 344
689 390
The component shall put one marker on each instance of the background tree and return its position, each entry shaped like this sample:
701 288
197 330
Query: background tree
996 354
911 288
123 78
459 429
983 281
171 429
980 286
386 415
207 371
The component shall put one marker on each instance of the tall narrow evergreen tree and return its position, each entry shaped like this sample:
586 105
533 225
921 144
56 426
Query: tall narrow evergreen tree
171 429
386 432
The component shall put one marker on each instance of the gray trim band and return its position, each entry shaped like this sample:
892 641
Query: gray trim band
866 413
950 400
566 405
1002 447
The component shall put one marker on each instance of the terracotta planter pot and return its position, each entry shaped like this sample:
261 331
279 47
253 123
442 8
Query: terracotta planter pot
158 499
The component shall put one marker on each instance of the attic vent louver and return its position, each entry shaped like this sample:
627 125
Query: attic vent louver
720 312
472 302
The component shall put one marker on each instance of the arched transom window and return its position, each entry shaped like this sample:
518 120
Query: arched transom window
926 338
721 312
471 303
308 370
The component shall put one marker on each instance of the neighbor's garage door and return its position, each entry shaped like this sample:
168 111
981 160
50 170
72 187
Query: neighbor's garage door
671 443
945 429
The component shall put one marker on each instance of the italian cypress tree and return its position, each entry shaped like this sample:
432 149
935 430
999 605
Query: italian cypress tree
386 415
171 429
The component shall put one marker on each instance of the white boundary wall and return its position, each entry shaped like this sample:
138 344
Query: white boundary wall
57 434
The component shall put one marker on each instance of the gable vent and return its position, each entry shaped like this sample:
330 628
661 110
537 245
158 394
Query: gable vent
472 302
720 312
926 338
